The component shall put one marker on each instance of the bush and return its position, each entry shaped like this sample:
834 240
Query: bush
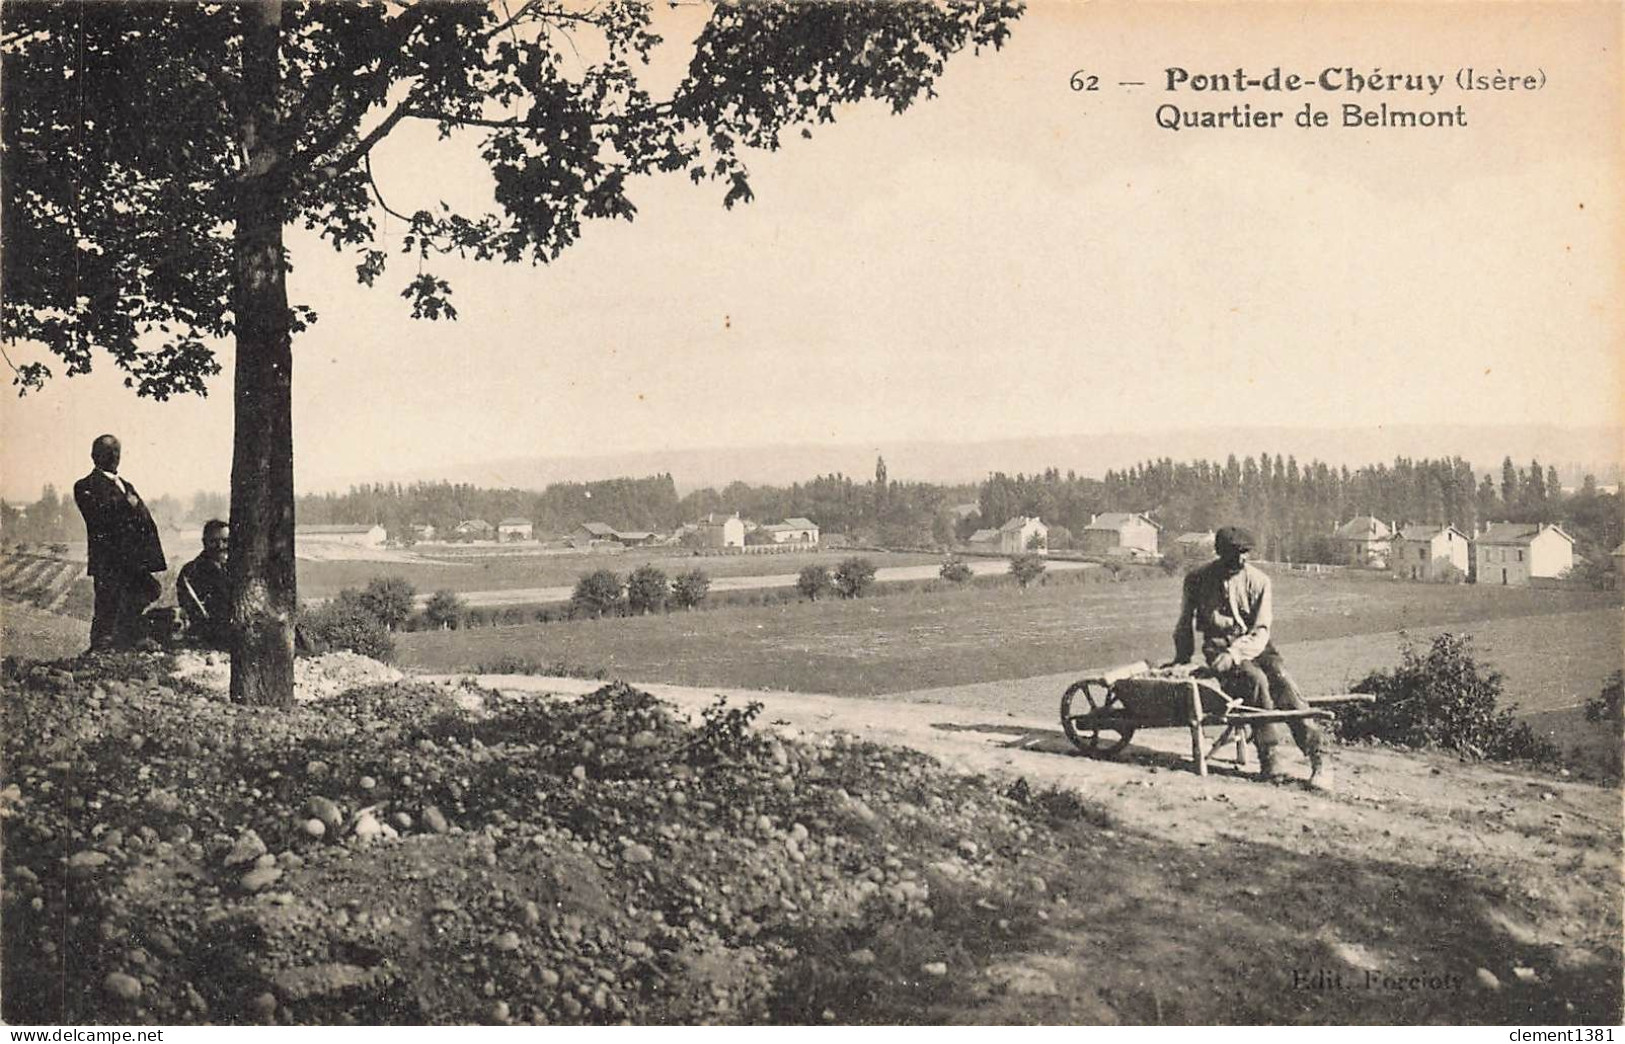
1605 706
854 576
813 581
597 594
955 571
348 622
647 589
1441 698
391 599
690 589
1026 568
445 610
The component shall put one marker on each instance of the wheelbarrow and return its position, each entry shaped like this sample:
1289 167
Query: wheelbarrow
1101 713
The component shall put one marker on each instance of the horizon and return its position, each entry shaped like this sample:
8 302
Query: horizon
1009 259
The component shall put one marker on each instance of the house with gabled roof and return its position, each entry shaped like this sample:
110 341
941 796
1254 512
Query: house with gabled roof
1430 551
984 540
1511 554
792 531
1022 534
474 529
1114 530
515 529
719 530
1366 541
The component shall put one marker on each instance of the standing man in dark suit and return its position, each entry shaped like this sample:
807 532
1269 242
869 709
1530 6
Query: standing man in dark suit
124 549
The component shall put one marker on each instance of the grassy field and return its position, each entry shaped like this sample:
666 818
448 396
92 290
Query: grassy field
324 579
1554 646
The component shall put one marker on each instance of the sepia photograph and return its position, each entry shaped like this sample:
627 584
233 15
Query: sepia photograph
811 513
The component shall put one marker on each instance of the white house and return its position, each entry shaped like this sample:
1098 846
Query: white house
1513 553
1120 529
1022 534
718 530
474 529
351 536
1366 541
515 529
1430 552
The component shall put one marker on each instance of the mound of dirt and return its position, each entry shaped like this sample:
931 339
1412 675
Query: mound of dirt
387 855
314 678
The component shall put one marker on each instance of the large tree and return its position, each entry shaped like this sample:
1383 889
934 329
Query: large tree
155 152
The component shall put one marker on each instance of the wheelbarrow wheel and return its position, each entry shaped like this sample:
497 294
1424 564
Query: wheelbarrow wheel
1084 705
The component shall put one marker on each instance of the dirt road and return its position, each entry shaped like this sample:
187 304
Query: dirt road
888 574
1529 862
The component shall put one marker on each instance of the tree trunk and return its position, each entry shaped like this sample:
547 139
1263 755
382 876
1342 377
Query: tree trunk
263 593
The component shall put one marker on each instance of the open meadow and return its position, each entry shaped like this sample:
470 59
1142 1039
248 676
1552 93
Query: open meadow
507 571
1555 647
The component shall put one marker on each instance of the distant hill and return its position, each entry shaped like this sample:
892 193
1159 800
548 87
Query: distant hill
1574 451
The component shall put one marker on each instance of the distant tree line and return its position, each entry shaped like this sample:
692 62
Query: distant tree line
1291 507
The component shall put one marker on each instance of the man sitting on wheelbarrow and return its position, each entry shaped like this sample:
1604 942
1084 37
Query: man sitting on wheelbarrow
1229 602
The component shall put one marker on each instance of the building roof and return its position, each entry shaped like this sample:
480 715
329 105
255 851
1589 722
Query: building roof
1195 538
965 510
1427 531
716 518
598 529
633 534
984 536
334 530
514 522
1116 520
1620 550
1365 527
474 523
800 523
1510 533
1017 524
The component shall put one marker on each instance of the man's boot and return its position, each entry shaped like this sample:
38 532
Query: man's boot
1320 771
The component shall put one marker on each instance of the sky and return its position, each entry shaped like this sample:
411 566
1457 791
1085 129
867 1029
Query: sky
1011 259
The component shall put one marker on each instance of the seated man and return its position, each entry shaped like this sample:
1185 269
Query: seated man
204 589
1229 602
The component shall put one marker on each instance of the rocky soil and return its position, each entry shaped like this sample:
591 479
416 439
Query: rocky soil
414 853
400 854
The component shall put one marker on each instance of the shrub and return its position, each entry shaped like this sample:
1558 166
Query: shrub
1442 698
813 581
1026 568
348 622
391 599
597 594
1605 706
854 576
511 664
690 588
647 589
955 571
445 610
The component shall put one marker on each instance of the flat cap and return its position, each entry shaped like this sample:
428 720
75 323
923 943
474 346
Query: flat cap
1235 537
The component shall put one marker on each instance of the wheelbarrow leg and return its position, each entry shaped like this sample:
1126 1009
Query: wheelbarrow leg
1239 734
1198 738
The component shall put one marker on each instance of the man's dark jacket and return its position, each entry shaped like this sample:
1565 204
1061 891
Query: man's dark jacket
123 537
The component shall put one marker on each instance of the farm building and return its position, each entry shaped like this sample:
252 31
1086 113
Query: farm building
474 529
1195 545
1430 552
984 540
1514 553
515 529
1366 542
1024 534
352 536
792 531
423 531
960 512
635 537
1116 529
718 530
587 532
